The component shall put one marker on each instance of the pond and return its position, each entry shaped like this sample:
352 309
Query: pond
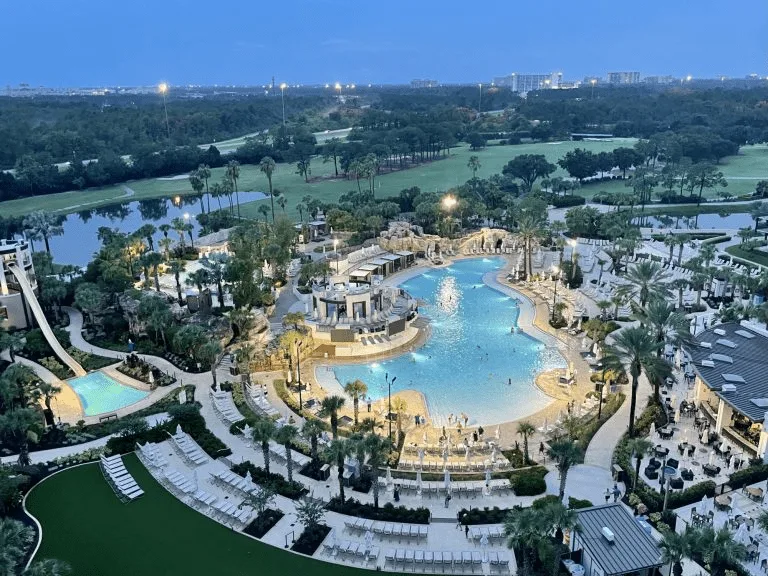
699 222
80 239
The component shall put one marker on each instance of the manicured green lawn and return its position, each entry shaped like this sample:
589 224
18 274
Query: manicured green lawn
742 171
86 525
756 256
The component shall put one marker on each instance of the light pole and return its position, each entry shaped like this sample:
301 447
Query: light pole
574 257
335 245
556 276
163 88
389 410
449 202
593 82
298 371
283 86
480 103
337 87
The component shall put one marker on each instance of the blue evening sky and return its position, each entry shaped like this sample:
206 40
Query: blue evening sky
141 42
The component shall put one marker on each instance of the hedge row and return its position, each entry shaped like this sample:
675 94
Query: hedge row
276 482
529 482
387 513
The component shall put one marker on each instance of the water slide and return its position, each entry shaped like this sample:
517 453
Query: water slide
29 294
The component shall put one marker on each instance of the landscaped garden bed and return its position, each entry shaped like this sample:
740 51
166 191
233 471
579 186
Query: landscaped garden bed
139 369
276 482
387 513
310 539
263 523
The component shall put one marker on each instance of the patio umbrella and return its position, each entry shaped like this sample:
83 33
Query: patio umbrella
652 431
466 454
498 433
447 479
742 534
248 477
421 457
487 474
424 438
389 476
418 481
711 457
445 456
705 504
179 431
484 546
368 540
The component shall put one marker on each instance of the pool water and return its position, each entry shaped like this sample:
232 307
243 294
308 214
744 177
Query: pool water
99 393
472 355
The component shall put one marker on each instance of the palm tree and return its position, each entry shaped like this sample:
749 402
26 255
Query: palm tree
721 551
282 202
680 284
670 242
179 227
647 279
336 452
529 228
293 319
474 165
286 436
667 325
263 431
311 429
197 185
638 447
233 173
216 266
210 353
523 529
15 538
164 228
604 305
377 448
264 211
634 351
566 453
204 172
177 267
526 430
675 547
165 246
355 390
12 343
707 253
681 240
153 261
43 226
47 567
399 406
329 408
559 517
267 166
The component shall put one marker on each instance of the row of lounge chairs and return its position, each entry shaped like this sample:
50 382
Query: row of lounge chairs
259 403
466 561
188 448
119 478
225 407
500 463
151 455
388 529
351 551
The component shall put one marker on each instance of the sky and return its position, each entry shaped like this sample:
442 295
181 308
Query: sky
246 42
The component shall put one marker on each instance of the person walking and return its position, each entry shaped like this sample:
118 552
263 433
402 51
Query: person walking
607 495
447 500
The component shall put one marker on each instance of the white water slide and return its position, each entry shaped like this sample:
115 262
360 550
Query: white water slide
29 294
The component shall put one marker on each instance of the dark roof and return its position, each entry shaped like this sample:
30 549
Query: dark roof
734 353
632 548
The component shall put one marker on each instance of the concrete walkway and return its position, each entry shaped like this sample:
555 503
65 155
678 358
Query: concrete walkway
600 450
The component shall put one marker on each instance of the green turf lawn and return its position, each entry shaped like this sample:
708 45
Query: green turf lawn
749 166
756 256
86 525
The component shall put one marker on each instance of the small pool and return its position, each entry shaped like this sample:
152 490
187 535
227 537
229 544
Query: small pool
99 393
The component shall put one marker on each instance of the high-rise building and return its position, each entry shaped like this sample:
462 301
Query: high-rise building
659 79
419 83
623 77
527 82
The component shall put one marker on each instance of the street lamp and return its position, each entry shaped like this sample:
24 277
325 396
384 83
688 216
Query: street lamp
593 82
283 86
389 411
574 257
337 87
298 371
335 245
480 103
449 203
163 89
555 276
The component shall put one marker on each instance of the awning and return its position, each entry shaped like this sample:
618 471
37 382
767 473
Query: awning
368 267
380 262
360 273
404 253
390 257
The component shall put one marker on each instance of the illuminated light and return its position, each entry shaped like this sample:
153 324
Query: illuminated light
162 88
449 202
283 86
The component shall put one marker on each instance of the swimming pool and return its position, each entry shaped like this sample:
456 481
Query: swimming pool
472 356
99 393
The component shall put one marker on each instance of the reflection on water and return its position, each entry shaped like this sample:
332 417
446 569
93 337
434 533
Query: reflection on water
699 222
80 241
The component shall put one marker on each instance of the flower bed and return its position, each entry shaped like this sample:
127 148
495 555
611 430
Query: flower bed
138 369
529 482
310 539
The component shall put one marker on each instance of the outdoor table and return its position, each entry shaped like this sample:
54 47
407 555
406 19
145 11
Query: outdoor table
723 501
755 493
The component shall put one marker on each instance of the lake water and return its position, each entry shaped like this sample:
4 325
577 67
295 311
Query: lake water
79 242
471 356
700 222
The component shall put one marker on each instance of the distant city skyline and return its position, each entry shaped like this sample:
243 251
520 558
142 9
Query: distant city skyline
242 43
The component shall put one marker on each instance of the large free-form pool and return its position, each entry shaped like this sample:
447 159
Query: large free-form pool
99 393
472 355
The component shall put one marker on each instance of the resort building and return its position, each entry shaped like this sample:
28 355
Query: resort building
14 310
528 82
623 77
730 374
612 542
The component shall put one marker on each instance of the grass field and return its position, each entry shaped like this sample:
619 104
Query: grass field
87 526
756 256
743 172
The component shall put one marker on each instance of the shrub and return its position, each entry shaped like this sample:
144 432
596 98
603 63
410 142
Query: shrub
388 512
747 476
529 482
567 201
276 482
486 515
578 503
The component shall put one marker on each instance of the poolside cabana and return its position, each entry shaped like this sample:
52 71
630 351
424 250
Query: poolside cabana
406 258
363 275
